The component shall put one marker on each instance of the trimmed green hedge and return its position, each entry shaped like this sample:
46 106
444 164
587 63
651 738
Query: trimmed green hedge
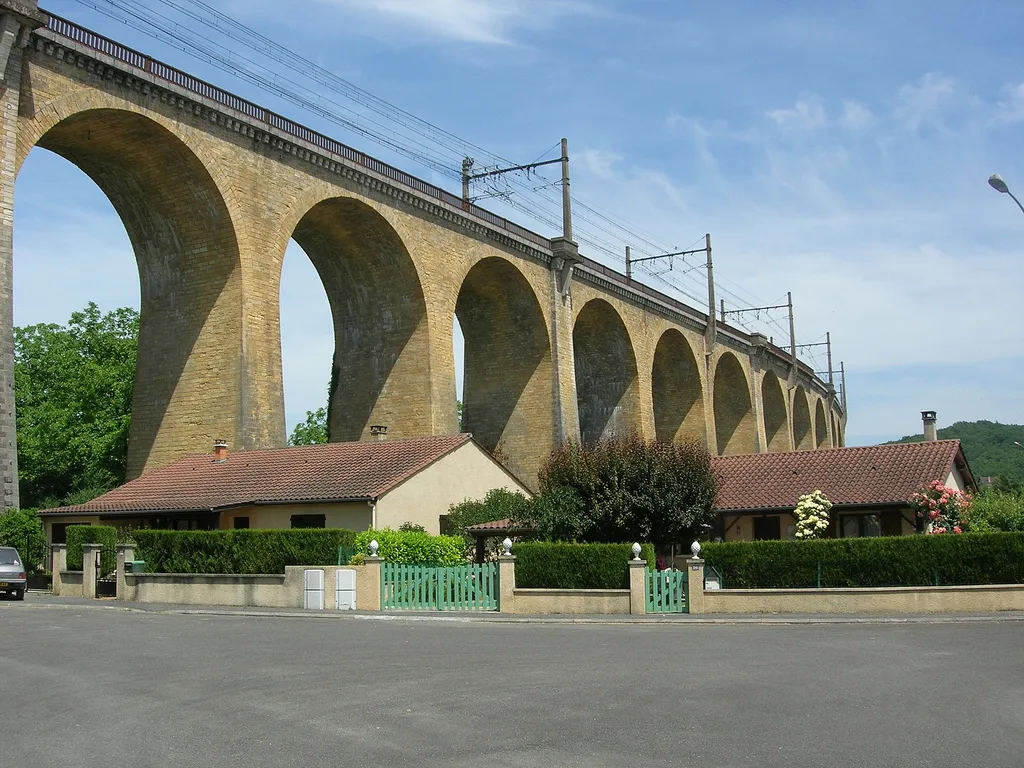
886 561
413 547
559 565
92 534
251 550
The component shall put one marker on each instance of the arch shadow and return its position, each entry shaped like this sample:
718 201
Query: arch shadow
776 423
735 431
676 391
606 375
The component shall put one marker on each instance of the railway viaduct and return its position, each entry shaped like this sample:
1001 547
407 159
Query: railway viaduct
210 189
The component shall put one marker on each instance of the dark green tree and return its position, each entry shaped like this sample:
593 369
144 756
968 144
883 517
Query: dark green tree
626 489
73 395
312 431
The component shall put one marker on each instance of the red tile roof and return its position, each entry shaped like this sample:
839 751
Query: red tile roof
877 474
332 472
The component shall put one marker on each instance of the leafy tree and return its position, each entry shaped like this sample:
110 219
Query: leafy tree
626 489
995 510
312 431
498 504
73 394
23 530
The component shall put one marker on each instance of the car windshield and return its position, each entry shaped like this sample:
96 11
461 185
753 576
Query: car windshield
9 556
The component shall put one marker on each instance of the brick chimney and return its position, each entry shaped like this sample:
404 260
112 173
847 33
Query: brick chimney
928 417
220 451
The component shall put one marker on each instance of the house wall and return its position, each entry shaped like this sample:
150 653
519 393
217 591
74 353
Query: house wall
742 528
465 473
355 515
80 520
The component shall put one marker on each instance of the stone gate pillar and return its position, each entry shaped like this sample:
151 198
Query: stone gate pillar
17 20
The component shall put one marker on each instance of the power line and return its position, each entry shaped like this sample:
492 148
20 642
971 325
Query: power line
397 130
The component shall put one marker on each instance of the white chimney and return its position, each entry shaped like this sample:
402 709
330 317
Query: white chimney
928 417
378 432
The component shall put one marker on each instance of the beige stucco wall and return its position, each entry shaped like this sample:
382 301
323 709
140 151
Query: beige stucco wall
966 599
251 590
568 601
71 583
465 473
82 519
354 516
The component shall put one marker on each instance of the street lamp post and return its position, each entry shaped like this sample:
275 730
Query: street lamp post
996 182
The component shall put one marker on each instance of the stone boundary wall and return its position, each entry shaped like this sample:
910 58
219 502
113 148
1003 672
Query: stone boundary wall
568 601
867 600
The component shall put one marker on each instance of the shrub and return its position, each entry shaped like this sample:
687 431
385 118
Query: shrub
252 550
23 530
414 547
997 511
975 558
812 515
92 534
558 565
498 504
627 489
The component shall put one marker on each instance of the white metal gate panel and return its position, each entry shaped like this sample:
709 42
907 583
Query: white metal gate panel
345 590
314 589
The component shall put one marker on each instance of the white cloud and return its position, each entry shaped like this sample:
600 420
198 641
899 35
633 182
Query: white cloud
1010 109
925 101
806 115
487 22
600 162
856 116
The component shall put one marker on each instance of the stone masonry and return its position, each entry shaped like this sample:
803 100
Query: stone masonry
211 189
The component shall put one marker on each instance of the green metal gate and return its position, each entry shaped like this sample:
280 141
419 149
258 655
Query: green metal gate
667 592
429 588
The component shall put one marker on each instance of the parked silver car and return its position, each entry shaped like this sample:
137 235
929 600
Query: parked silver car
12 573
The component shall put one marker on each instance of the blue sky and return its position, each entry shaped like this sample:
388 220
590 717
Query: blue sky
838 151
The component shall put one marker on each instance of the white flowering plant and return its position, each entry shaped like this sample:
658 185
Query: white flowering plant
812 512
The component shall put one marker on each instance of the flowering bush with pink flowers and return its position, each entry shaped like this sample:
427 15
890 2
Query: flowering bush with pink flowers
941 509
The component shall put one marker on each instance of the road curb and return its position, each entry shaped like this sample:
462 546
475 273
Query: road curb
496 618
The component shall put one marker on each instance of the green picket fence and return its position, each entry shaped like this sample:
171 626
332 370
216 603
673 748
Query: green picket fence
667 591
430 588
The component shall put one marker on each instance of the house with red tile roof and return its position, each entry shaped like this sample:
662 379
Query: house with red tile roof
338 485
869 487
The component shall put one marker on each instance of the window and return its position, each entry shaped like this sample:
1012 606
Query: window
857 526
309 521
767 528
243 522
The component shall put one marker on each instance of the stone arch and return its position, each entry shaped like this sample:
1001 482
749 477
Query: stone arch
187 253
820 425
676 391
802 439
607 392
507 389
380 373
735 431
776 424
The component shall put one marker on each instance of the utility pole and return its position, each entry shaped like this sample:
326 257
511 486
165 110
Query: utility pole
566 200
630 261
842 383
712 332
828 343
723 310
468 176
792 328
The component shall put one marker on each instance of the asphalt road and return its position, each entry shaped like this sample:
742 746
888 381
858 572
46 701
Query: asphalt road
104 686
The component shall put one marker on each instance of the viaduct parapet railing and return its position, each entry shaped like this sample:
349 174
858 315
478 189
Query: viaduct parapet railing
592 270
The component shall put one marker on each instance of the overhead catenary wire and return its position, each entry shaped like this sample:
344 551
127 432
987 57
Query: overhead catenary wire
399 131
